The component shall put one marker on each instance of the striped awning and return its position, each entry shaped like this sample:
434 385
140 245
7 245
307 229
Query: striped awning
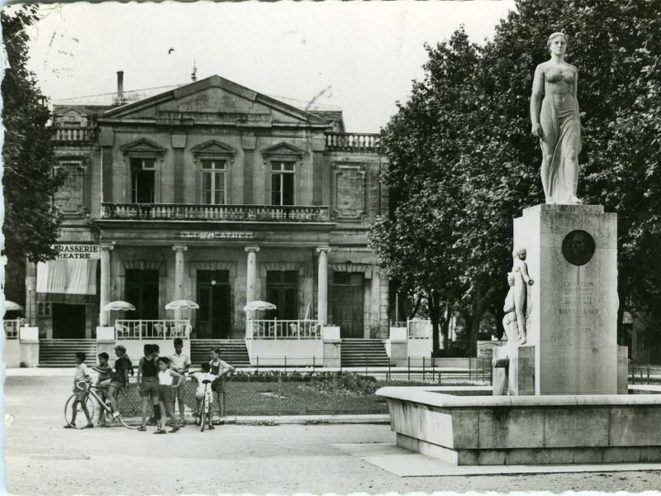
67 279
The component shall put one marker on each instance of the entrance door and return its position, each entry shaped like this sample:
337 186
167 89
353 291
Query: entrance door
142 291
214 318
347 303
68 321
282 291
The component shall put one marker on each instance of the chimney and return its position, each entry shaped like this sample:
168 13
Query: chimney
120 87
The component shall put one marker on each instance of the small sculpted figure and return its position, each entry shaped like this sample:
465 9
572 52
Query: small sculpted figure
556 122
521 282
509 320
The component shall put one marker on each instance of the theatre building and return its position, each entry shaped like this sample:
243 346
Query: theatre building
214 193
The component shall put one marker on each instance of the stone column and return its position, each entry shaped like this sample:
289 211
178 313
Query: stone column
375 303
322 290
251 273
31 293
178 276
104 290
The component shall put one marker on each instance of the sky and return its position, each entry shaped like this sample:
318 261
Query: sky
360 57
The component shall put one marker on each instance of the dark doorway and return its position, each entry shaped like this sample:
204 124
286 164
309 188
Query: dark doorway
68 321
346 304
142 292
282 291
214 318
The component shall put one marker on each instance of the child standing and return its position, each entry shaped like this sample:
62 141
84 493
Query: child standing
103 382
203 380
81 381
180 362
168 381
148 381
219 368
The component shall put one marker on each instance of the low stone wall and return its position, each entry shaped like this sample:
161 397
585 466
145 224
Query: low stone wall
493 430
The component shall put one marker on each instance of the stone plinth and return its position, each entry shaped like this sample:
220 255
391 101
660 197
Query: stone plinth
572 306
518 377
497 430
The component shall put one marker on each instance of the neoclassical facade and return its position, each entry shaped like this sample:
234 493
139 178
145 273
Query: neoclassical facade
215 193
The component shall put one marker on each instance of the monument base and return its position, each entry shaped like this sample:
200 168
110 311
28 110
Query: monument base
515 430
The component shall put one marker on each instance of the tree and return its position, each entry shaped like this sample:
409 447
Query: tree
30 181
465 136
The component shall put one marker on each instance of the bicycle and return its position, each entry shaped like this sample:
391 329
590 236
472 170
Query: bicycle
204 416
90 398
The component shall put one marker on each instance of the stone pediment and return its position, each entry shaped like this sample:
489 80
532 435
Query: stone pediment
283 149
213 147
214 101
143 146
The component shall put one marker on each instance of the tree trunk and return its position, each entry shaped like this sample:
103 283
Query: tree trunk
434 315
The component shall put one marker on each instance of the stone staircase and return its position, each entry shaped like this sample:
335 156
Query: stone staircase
364 352
61 352
233 351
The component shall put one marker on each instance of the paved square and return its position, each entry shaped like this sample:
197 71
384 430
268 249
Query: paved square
43 458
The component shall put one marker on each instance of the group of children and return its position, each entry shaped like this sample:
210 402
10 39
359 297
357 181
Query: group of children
160 380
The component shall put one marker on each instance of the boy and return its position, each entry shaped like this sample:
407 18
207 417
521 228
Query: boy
81 381
180 363
204 390
103 382
168 381
119 378
148 382
219 368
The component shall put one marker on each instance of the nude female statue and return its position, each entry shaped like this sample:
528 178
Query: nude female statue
521 281
556 122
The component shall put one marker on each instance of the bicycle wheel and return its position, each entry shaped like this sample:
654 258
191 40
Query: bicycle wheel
121 420
80 419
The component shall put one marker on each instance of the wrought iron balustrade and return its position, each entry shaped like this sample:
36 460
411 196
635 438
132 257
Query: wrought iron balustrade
283 329
152 329
359 142
12 327
242 213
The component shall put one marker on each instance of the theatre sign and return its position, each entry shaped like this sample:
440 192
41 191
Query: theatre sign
77 251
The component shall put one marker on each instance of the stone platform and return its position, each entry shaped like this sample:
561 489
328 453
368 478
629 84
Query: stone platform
463 429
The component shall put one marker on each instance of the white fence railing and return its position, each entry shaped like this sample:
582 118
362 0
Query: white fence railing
152 329
419 329
12 327
283 329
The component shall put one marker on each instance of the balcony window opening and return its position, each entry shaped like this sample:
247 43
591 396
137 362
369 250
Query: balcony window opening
213 182
143 180
142 288
282 183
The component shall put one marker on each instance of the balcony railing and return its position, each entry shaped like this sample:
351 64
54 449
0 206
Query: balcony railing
152 329
243 213
283 329
12 327
355 142
74 135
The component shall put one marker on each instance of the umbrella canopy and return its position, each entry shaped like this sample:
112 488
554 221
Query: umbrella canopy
182 305
118 306
256 306
11 306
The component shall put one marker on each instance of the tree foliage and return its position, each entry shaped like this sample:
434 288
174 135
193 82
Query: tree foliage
31 220
460 150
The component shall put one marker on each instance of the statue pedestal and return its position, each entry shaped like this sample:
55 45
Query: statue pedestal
572 305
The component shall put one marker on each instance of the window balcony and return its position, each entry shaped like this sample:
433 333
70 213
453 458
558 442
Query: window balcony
353 142
74 136
214 213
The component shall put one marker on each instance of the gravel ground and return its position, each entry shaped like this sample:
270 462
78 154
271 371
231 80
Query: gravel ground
43 458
